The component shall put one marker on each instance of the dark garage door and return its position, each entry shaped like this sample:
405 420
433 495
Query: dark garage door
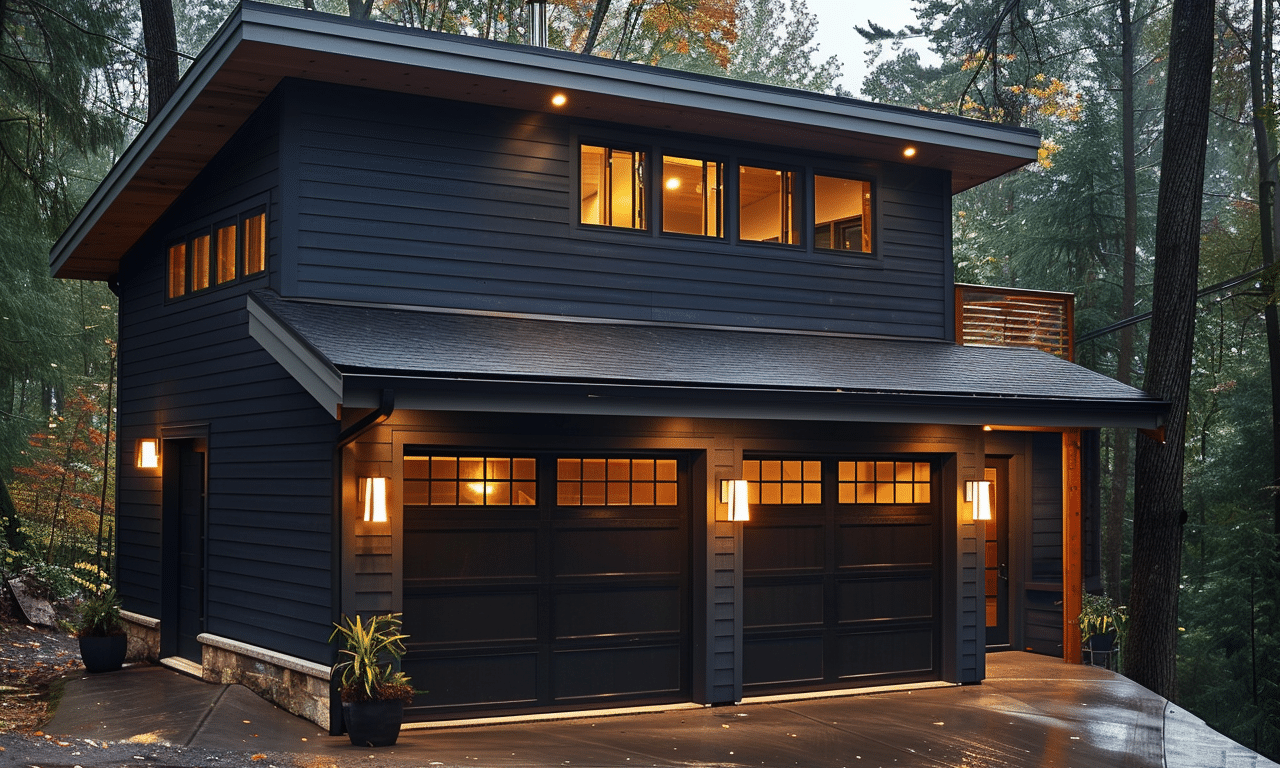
543 582
841 574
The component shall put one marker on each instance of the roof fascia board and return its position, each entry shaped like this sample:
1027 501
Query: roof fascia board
193 83
663 86
606 400
321 380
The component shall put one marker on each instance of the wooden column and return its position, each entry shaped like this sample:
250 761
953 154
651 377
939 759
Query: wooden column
1072 546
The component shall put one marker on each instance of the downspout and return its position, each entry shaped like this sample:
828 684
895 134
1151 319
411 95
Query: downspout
386 405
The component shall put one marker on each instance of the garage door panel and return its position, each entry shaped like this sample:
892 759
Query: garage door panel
773 547
896 652
886 598
553 602
471 617
610 612
841 587
794 659
619 550
882 542
617 672
453 553
775 605
488 680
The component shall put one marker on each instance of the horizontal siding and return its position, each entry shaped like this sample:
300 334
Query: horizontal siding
422 202
270 457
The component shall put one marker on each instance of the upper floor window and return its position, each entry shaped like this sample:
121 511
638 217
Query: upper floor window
767 205
692 196
613 187
841 214
218 256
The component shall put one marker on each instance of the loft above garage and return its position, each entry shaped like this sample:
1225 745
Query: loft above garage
261 45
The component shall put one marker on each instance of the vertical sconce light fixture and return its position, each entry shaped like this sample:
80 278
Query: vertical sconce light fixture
978 492
733 493
374 491
147 453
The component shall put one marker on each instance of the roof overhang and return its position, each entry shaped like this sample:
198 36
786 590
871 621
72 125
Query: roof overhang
345 355
260 45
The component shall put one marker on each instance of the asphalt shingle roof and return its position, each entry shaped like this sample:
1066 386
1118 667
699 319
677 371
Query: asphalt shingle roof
431 344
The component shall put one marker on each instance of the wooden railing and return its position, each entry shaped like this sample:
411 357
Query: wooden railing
1011 317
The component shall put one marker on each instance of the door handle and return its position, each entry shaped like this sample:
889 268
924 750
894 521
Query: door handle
1004 571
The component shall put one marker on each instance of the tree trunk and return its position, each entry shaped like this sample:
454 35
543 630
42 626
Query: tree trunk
161 42
1158 517
1118 503
597 19
1259 92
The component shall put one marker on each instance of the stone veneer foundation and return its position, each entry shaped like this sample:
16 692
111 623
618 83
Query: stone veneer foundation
295 685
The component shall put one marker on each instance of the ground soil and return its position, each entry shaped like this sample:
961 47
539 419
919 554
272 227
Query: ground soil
34 661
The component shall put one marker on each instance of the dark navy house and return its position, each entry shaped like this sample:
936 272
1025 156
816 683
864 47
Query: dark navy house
488 334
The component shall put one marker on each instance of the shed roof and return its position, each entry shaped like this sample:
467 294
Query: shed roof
259 45
345 353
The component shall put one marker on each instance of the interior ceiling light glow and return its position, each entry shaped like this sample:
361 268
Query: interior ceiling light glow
673 182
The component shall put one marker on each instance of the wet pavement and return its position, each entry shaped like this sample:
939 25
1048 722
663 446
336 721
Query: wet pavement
1031 711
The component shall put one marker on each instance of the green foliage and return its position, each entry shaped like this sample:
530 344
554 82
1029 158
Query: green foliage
99 614
1100 615
775 45
371 655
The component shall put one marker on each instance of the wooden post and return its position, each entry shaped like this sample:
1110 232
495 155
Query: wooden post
1072 548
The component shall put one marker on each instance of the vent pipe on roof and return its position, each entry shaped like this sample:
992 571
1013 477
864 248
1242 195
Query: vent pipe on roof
538 23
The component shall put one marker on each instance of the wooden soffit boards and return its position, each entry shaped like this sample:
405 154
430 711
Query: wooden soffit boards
260 45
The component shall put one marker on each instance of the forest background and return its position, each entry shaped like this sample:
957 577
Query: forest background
1089 74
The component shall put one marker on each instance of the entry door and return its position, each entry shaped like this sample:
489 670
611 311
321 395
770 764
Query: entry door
841 574
184 534
997 555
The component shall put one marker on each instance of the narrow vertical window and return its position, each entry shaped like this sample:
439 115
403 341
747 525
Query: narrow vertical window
841 214
255 244
225 270
766 205
691 197
612 187
200 263
177 270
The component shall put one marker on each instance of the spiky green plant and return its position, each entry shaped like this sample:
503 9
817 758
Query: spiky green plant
371 652
100 614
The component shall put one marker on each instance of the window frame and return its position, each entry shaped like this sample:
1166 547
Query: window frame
210 228
811 194
805 168
705 158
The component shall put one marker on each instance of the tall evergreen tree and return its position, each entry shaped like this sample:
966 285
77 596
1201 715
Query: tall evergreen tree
1151 650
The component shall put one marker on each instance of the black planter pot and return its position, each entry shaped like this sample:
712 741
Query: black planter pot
373 723
103 654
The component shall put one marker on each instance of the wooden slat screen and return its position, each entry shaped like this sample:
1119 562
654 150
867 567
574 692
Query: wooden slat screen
1009 317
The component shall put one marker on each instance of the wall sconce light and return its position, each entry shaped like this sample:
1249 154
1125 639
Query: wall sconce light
734 494
979 493
374 491
147 453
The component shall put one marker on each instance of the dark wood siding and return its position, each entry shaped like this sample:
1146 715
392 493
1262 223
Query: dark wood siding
425 202
270 446
1044 589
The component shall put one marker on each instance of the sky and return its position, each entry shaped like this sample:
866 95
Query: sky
836 36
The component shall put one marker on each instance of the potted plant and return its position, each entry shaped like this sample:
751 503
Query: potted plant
1101 624
373 689
100 630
